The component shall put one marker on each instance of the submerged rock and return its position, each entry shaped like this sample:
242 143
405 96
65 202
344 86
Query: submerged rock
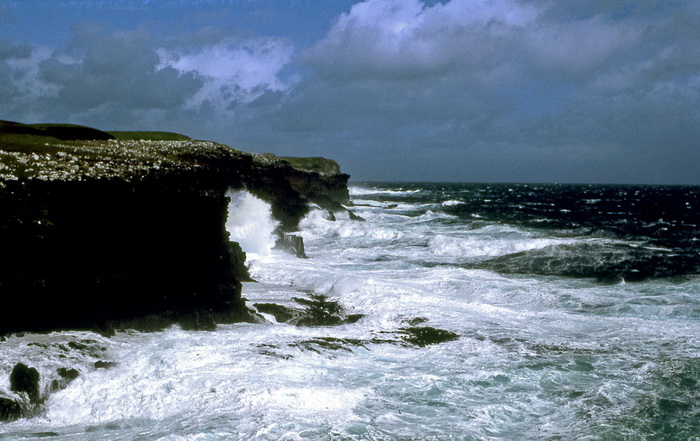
318 310
422 336
330 344
101 364
281 313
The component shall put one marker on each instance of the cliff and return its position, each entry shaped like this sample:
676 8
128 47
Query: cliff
104 230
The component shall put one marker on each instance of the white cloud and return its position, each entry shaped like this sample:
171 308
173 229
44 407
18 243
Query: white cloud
233 71
394 39
405 38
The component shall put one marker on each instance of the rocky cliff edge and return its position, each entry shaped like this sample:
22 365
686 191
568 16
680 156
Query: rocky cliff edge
105 230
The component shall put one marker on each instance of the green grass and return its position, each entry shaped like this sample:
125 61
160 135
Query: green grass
41 138
148 136
13 142
71 132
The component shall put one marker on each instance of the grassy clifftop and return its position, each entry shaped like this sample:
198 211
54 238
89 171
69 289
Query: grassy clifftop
69 151
16 136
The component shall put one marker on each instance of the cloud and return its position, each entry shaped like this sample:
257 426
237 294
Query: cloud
395 39
508 89
232 71
121 77
9 54
117 71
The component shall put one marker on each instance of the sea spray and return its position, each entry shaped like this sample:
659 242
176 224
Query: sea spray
250 222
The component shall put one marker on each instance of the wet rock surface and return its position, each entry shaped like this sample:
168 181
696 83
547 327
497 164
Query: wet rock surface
25 379
320 311
293 244
315 310
10 409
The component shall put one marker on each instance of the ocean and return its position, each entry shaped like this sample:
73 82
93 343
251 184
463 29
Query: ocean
467 312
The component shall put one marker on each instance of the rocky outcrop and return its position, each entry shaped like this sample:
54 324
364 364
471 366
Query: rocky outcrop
291 190
293 244
112 233
316 310
26 395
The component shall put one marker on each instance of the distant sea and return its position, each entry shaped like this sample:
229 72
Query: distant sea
575 311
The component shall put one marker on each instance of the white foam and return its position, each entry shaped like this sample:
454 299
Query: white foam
363 191
250 222
317 224
306 401
487 246
452 203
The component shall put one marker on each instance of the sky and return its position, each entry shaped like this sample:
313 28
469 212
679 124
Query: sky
589 91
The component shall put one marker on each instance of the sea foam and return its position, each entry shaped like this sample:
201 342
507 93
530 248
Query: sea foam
250 222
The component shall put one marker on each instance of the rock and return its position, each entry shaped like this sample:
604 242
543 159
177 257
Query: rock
67 376
10 409
25 379
281 313
101 364
107 233
322 166
237 262
290 189
318 310
422 336
85 254
321 311
293 244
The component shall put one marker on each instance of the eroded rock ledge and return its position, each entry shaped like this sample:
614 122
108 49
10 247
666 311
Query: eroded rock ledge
104 230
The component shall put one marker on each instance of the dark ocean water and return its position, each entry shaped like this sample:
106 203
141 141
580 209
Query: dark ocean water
573 313
656 230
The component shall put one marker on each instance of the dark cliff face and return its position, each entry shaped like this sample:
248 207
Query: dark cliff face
104 234
96 253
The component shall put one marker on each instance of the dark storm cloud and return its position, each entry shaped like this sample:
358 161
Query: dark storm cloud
8 50
120 70
10 54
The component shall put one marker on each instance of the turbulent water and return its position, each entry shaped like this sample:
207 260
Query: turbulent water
575 312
